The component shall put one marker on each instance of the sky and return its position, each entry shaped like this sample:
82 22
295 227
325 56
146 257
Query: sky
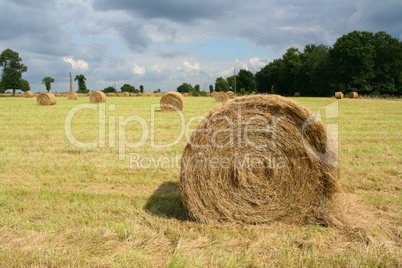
161 44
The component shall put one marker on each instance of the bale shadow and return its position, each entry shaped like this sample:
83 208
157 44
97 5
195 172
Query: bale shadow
166 202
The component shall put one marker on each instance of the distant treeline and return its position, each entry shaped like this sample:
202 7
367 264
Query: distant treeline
360 61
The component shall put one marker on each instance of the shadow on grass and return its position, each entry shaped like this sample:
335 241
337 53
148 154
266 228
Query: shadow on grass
166 202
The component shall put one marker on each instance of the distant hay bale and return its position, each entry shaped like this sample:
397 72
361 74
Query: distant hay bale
230 94
46 99
338 95
221 96
71 95
111 94
186 94
172 101
97 97
353 95
28 94
213 94
297 94
125 94
259 159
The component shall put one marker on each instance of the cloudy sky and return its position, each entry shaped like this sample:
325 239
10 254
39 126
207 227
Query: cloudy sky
163 43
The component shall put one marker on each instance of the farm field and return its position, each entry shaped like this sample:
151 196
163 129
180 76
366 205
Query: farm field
105 194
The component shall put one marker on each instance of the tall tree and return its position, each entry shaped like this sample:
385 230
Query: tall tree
353 55
211 88
47 82
82 87
11 76
141 88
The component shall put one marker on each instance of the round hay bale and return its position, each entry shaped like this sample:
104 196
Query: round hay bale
28 94
230 94
353 95
338 95
251 160
221 96
46 99
172 101
186 94
213 94
71 95
125 94
297 94
111 94
97 97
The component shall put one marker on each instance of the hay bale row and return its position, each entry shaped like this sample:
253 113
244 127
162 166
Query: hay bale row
71 95
46 99
353 95
213 94
97 97
28 94
339 95
297 94
271 169
172 101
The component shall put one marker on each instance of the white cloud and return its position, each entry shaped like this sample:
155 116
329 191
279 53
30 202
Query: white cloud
196 66
79 64
138 70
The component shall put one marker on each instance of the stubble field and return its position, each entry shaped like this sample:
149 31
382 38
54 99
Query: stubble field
96 185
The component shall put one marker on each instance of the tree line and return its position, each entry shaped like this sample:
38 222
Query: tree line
359 61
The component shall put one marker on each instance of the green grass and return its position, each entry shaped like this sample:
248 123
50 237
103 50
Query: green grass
61 205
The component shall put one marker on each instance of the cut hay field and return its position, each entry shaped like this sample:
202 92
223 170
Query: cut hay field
109 205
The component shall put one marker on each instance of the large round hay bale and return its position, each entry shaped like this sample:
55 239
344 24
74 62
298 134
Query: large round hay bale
213 94
28 94
259 159
46 99
97 97
172 101
125 94
353 95
71 95
230 94
297 94
221 96
338 95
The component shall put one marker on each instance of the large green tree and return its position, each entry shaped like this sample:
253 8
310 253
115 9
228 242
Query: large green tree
129 88
47 82
221 85
11 76
353 55
82 87
185 88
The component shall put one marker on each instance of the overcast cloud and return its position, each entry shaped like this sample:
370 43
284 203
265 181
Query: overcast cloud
161 44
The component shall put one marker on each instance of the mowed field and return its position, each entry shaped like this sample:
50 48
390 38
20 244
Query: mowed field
105 194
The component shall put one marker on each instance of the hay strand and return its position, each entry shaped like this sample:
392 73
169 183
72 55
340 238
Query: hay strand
46 99
251 161
172 101
97 97
28 94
